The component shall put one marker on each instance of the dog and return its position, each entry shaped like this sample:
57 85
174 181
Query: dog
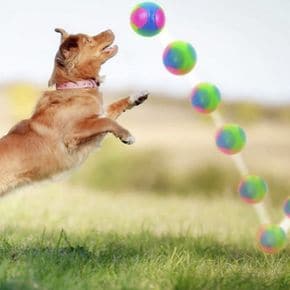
69 121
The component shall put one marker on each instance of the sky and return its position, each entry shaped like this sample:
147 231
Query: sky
242 46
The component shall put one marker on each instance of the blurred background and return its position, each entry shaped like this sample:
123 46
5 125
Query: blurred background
173 177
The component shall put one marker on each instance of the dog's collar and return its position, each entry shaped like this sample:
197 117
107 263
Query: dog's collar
83 84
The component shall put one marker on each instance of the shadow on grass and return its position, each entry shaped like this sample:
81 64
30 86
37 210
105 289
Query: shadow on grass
112 261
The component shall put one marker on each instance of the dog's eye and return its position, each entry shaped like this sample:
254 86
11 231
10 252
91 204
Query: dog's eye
89 40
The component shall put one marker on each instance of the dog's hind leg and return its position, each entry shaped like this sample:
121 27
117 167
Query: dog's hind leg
115 109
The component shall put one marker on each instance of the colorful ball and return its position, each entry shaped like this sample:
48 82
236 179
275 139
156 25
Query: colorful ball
287 207
179 57
231 139
252 189
271 238
147 19
205 98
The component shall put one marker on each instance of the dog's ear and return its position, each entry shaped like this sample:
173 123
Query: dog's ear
66 54
67 51
64 34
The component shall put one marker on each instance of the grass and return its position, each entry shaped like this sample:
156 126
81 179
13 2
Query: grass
137 261
69 238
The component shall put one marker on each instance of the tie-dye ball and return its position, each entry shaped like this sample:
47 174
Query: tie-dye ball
231 139
179 57
271 238
287 207
205 98
252 189
147 19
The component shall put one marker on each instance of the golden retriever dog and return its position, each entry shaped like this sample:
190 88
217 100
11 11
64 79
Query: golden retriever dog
68 122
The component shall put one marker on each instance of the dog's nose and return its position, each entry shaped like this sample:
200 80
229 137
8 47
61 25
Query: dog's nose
109 31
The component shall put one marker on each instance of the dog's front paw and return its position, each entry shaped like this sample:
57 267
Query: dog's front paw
128 140
138 98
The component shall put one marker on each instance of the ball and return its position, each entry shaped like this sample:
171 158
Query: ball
271 238
205 98
147 19
231 139
252 189
179 57
287 207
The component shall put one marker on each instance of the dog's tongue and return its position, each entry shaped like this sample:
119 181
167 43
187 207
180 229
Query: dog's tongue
110 48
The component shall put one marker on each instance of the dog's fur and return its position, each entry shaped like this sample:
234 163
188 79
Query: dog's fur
68 124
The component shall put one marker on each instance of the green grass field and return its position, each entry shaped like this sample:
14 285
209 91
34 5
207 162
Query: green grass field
65 237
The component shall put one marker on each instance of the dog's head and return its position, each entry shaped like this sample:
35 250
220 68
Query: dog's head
80 56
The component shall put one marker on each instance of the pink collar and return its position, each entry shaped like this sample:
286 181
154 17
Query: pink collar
83 84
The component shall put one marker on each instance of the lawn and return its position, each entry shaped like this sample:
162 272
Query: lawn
62 237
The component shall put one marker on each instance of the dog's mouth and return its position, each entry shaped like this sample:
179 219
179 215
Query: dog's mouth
109 49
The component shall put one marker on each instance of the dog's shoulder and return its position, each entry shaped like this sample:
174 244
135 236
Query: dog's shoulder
51 98
62 108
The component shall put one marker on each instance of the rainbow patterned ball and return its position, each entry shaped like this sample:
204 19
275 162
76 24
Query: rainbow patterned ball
231 139
287 207
252 189
271 238
147 19
179 57
205 98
